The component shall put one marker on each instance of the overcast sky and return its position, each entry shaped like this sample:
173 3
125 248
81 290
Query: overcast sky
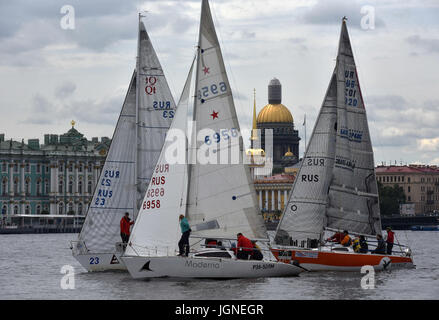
50 75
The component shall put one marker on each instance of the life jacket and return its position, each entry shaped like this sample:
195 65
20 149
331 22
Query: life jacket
347 241
356 245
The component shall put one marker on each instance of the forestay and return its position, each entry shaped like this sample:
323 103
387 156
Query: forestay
221 197
336 185
156 230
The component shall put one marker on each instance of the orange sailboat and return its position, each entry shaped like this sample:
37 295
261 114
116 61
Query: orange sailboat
335 188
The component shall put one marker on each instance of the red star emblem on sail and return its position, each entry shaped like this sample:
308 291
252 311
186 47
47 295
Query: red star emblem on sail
206 70
214 115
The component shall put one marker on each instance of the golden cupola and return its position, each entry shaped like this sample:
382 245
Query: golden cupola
275 111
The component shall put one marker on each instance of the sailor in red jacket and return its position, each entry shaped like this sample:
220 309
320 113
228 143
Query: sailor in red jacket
389 240
125 224
244 247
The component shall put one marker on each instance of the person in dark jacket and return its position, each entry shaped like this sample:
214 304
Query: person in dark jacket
381 247
183 244
125 224
364 248
256 253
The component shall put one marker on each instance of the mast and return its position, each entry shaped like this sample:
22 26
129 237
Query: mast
192 156
135 211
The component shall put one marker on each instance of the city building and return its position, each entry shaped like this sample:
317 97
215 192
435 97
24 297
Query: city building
273 172
419 182
277 117
54 178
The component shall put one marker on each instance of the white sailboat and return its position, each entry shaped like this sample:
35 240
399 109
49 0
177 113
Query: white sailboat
218 199
336 188
139 135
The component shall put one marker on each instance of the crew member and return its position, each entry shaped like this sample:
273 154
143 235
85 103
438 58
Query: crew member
346 242
336 237
256 253
389 240
364 248
125 224
381 246
244 248
183 244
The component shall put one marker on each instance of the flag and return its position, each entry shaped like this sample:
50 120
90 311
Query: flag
304 120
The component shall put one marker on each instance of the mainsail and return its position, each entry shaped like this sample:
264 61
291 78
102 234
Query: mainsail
155 112
156 230
221 198
336 184
137 141
114 192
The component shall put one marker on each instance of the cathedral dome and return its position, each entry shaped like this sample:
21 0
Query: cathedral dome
275 113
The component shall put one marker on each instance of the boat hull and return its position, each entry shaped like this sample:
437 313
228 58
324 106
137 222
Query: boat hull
209 268
314 260
95 262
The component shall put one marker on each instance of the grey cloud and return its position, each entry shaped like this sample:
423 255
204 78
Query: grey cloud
65 90
41 111
428 45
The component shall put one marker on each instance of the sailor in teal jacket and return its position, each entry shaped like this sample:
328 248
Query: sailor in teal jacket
183 244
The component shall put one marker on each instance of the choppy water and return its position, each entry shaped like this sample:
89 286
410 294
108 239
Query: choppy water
30 268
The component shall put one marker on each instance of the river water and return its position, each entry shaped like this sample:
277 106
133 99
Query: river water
30 268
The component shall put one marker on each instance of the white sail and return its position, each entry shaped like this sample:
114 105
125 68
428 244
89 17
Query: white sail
156 230
114 193
221 197
353 197
155 112
133 153
336 185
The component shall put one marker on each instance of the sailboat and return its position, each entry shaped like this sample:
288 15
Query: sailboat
218 200
336 188
139 135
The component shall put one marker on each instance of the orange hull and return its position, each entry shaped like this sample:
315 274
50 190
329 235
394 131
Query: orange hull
314 260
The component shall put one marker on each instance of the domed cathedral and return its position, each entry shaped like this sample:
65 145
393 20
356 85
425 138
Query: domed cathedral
277 117
273 177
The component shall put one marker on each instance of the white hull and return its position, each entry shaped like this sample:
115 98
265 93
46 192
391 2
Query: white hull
195 267
93 262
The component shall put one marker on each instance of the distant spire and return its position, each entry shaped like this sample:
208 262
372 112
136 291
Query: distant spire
254 126
73 123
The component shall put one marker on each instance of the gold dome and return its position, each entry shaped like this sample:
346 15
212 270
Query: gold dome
289 153
275 113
